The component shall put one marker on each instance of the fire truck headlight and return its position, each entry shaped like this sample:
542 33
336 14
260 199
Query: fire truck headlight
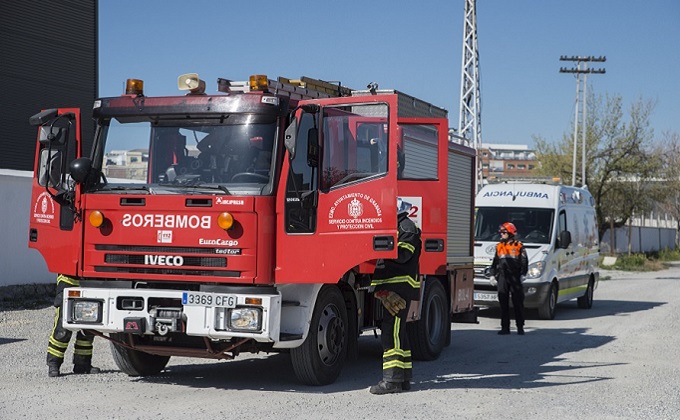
225 220
245 319
86 311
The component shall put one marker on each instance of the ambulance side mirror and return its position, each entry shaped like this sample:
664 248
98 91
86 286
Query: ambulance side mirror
564 240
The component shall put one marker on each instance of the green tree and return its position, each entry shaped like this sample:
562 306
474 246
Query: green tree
622 165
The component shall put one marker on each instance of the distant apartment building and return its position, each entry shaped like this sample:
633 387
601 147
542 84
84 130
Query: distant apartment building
507 160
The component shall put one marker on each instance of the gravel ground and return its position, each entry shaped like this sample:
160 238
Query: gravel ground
618 360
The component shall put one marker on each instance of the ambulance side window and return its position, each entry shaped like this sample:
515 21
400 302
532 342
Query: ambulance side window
561 223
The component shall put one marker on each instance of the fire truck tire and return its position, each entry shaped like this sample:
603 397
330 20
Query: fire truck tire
319 360
134 362
429 335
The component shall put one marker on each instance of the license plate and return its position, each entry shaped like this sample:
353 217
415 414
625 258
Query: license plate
485 296
208 299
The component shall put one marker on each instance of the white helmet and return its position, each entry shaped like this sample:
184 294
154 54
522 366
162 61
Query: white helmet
403 206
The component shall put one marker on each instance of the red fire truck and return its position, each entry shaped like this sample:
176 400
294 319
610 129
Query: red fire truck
251 220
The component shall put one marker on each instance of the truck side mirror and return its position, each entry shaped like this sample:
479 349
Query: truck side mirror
80 169
42 117
313 147
564 240
49 168
53 135
310 199
290 138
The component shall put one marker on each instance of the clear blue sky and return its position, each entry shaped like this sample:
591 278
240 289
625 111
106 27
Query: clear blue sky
411 46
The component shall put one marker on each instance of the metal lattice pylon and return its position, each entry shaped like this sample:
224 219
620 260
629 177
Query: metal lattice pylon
470 121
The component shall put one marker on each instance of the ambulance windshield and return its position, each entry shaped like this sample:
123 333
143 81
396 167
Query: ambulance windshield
533 225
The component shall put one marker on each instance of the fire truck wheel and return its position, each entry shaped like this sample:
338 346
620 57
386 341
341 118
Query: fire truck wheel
319 360
429 335
136 363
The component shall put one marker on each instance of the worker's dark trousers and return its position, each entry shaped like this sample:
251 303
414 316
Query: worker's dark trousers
396 349
60 337
516 292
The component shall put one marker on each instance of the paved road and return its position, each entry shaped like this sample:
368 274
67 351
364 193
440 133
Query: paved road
618 360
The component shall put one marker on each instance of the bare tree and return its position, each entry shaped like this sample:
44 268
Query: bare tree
622 165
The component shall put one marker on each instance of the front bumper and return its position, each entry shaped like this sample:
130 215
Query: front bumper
158 312
485 294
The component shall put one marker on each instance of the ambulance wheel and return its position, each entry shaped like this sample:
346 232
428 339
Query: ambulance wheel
319 360
547 310
134 362
586 301
429 335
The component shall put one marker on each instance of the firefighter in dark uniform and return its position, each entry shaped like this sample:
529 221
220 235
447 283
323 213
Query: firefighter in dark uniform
60 337
509 266
396 282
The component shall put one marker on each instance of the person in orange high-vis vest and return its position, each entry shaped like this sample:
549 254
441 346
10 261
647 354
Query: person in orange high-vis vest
509 266
60 337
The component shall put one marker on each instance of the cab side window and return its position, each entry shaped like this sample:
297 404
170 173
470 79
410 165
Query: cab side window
300 180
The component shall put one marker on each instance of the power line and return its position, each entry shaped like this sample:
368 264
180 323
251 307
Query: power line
581 92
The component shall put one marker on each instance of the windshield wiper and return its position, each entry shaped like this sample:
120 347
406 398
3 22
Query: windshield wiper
197 186
108 187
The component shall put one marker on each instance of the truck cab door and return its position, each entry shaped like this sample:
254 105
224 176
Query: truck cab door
337 206
55 226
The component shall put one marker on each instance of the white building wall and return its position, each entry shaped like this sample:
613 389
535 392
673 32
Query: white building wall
20 264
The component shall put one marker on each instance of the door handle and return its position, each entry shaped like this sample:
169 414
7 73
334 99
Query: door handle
383 243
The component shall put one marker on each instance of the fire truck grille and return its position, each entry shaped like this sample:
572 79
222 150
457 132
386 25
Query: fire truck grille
186 261
166 271
168 249
166 260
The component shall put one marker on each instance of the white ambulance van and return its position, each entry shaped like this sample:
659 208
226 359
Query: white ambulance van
558 228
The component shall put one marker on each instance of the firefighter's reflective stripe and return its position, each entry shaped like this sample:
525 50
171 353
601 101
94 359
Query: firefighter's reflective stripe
83 348
396 280
56 347
67 279
407 246
396 357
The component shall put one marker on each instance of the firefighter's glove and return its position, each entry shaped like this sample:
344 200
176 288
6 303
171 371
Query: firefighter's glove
493 281
391 301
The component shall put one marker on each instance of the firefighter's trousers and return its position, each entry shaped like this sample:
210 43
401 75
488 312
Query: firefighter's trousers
397 365
60 337
516 292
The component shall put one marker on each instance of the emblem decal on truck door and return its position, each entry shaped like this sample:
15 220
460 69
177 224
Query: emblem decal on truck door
43 211
355 211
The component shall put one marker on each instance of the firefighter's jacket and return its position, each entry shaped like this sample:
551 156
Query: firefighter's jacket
400 275
509 263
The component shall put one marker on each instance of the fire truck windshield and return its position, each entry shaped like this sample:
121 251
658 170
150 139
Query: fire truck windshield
232 152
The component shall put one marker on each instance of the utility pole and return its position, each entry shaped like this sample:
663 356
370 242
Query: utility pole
470 121
581 87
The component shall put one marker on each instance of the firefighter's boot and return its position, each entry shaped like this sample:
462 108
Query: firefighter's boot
85 369
406 386
384 387
53 371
